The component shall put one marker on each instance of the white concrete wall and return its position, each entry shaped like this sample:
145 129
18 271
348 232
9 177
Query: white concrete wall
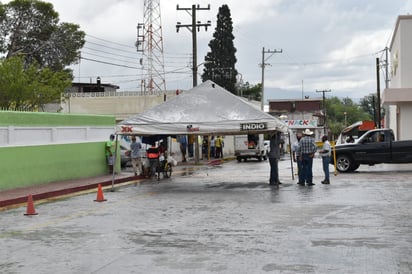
398 98
405 117
120 104
395 60
405 60
28 136
401 55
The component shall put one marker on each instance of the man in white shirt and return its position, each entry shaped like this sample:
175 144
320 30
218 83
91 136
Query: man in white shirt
325 153
297 159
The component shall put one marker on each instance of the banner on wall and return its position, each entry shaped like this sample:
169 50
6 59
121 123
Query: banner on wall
304 123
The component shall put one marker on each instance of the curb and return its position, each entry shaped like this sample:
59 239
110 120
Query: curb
65 191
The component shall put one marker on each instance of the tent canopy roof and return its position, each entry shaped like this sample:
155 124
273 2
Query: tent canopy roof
207 109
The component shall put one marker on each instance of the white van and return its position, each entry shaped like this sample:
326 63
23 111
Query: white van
250 146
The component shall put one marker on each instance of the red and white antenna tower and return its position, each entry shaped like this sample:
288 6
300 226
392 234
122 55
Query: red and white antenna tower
150 44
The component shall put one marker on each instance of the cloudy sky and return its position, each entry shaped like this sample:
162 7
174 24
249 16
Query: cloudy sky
325 44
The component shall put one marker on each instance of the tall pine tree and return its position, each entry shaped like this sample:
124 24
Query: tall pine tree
220 61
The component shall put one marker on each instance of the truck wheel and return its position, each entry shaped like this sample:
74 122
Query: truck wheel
355 167
260 158
343 163
239 159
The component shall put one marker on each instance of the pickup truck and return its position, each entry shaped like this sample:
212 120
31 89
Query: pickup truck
373 147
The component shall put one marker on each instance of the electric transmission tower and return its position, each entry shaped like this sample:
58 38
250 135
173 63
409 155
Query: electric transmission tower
150 44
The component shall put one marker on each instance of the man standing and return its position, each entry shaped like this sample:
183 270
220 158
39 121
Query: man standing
183 146
274 155
191 142
219 147
306 152
135 148
297 159
325 153
110 148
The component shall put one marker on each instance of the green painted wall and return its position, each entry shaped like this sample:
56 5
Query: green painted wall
14 118
31 165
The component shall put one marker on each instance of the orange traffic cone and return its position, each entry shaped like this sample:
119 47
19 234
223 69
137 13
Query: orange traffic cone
30 207
100 196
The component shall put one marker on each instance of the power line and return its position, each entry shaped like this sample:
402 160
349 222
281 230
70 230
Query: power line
108 63
106 57
109 47
108 41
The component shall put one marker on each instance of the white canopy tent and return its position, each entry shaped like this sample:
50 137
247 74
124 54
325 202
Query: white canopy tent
207 109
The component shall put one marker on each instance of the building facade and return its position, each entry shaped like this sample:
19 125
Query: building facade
300 114
397 99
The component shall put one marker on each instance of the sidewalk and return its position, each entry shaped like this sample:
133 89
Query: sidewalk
18 197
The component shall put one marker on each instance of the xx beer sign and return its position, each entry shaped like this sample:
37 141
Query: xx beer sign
253 126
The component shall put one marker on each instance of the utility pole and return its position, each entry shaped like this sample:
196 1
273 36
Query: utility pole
324 108
263 65
386 68
192 27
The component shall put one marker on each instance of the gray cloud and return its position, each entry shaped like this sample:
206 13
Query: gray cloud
326 44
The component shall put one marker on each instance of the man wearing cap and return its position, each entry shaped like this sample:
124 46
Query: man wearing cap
306 151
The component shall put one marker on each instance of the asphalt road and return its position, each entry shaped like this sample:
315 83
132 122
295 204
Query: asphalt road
222 219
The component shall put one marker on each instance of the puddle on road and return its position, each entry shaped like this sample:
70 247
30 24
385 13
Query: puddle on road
231 185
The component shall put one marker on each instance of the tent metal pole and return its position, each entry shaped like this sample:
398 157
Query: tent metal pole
197 149
290 156
114 163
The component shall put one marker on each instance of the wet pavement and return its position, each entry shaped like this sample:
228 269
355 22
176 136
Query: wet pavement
222 219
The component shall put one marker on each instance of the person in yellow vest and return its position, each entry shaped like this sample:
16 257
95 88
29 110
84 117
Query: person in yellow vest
109 151
219 144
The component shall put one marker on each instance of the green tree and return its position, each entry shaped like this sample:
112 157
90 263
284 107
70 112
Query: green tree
369 104
220 61
29 87
342 113
31 28
252 92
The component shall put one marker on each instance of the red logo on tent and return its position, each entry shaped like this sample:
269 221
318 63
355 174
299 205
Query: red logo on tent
127 129
192 129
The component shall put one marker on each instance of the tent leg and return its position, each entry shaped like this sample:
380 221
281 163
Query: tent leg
196 149
114 163
291 160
